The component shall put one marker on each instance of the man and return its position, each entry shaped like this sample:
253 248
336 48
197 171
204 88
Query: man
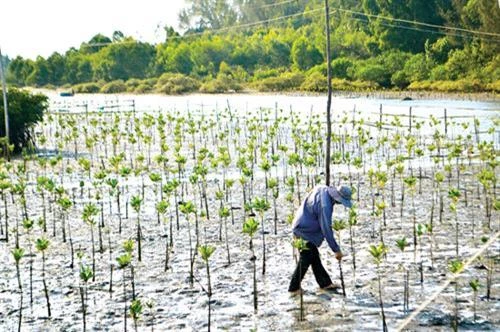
313 223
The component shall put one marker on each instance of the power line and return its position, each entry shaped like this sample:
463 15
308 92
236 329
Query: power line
419 23
277 4
246 25
279 18
426 30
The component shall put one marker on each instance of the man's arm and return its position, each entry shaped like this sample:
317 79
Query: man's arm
325 220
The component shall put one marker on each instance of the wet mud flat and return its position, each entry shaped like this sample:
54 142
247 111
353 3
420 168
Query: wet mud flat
176 305
171 302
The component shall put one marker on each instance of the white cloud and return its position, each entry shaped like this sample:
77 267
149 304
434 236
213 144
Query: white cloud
33 27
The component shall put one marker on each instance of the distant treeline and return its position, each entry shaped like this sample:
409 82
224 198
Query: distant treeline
285 51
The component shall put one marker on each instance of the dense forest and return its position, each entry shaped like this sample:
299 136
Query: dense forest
273 45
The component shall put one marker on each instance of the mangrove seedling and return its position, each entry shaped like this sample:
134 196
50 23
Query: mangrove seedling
41 245
410 183
205 252
474 284
136 205
402 244
224 214
123 261
261 205
28 226
378 253
89 212
339 225
300 244
249 228
456 266
187 209
135 311
85 275
454 194
162 209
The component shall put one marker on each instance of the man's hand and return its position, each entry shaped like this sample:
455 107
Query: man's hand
339 255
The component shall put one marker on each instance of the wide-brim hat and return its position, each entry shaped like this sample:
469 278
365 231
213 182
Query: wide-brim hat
342 194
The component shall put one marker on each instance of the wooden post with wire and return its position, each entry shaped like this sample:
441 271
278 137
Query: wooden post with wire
329 99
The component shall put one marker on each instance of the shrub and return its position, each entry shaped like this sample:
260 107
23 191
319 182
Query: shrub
87 88
373 73
117 86
169 83
315 82
286 81
464 85
418 68
132 84
419 85
399 79
439 73
143 88
261 74
364 86
340 67
493 86
25 111
219 85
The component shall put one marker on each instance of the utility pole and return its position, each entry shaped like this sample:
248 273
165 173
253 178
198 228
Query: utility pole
329 100
5 110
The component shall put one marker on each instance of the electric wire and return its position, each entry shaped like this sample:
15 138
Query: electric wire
404 27
477 34
419 23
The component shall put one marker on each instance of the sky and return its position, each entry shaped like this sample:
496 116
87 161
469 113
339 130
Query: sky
41 27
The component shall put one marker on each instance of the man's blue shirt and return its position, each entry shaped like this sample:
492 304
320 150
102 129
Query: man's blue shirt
313 219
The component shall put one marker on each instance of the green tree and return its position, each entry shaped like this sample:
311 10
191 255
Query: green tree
305 54
25 111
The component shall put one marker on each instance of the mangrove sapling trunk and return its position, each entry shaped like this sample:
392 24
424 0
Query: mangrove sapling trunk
339 225
85 275
273 185
301 245
378 252
111 266
132 278
454 194
411 182
188 208
474 284
6 213
455 267
250 227
402 244
72 252
224 213
136 205
89 212
18 253
420 232
205 252
41 245
119 211
123 261
261 205
100 227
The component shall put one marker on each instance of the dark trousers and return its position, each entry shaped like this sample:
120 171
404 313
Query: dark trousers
309 257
